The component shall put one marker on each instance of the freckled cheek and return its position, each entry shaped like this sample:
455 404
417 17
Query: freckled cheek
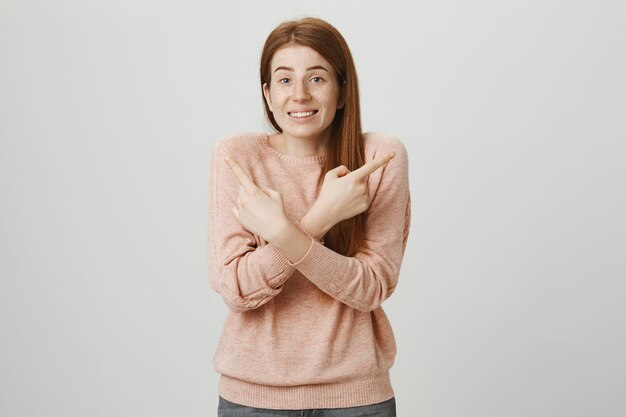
282 100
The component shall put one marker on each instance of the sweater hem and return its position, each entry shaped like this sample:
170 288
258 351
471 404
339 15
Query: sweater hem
301 397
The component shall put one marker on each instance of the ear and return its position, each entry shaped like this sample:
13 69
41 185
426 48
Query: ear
266 94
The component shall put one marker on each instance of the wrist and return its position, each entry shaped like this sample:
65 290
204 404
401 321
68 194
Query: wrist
282 233
306 232
315 225
288 238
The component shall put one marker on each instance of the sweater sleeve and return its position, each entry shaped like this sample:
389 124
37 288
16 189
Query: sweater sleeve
243 270
366 279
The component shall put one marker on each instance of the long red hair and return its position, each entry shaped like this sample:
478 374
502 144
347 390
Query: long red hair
346 145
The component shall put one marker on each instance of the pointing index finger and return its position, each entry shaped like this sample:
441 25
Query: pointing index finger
373 165
241 175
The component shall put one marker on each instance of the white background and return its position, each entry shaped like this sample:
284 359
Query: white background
511 296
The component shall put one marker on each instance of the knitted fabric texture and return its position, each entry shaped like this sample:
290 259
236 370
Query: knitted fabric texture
310 334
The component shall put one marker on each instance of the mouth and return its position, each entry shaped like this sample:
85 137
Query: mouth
302 114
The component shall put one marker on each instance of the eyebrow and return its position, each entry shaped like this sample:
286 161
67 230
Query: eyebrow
308 69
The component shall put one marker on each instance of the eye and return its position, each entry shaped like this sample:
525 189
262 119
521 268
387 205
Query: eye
319 79
283 79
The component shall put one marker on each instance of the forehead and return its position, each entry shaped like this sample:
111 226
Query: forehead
298 57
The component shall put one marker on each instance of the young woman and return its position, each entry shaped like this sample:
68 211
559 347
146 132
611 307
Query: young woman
308 228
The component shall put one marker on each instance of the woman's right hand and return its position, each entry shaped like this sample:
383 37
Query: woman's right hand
344 193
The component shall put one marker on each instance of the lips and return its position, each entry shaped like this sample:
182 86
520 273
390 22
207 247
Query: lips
300 114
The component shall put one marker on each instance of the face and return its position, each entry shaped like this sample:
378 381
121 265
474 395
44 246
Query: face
303 93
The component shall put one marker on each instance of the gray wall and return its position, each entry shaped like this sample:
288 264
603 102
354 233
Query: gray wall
511 297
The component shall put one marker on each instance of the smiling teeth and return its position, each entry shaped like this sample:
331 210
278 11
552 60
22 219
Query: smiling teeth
302 114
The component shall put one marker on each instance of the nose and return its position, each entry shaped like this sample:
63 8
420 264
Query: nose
301 91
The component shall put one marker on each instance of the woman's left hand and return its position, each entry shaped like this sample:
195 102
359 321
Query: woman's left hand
260 210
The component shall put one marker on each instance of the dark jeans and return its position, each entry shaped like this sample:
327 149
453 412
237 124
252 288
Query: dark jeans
383 409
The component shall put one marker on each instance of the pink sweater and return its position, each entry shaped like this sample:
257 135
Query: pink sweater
311 334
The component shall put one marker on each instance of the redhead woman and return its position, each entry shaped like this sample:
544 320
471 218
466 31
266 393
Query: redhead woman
307 231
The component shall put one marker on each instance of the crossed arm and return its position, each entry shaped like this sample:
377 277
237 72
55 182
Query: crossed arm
248 275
